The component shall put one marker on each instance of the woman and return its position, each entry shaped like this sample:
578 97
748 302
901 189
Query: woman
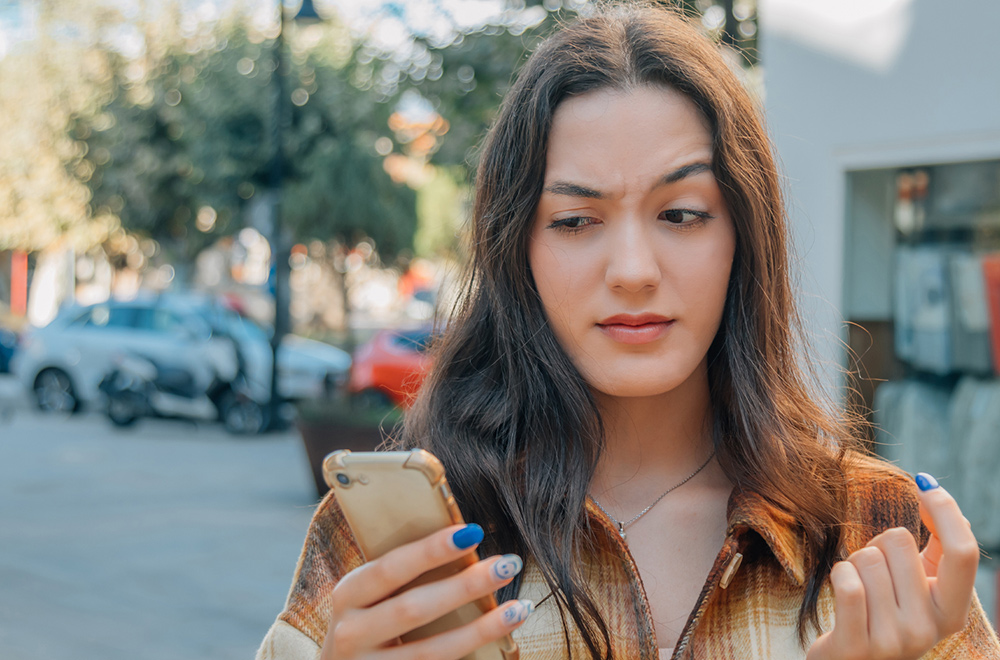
618 397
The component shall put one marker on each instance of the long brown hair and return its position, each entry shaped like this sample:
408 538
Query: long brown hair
506 410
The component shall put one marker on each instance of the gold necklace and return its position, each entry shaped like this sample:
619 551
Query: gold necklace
623 525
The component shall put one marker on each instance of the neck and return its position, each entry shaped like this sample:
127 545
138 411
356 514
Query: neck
653 442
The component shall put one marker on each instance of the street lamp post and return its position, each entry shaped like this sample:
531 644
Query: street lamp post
281 120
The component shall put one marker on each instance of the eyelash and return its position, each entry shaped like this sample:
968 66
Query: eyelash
701 217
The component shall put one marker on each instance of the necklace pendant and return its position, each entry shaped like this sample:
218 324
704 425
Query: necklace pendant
621 530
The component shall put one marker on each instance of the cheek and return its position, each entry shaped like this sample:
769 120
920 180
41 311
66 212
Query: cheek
552 269
705 275
715 274
718 280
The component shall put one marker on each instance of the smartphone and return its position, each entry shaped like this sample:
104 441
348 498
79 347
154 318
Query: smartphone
395 497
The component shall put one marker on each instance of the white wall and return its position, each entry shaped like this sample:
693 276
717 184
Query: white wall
854 84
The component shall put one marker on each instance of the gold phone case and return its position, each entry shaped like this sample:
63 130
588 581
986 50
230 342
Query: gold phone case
396 497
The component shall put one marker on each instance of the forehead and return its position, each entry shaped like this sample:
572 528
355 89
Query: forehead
622 139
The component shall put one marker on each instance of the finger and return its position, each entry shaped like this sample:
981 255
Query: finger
959 553
915 616
376 580
462 641
909 582
932 553
931 556
421 605
849 637
880 597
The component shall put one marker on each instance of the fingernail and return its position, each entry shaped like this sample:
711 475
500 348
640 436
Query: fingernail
468 536
507 567
518 612
925 481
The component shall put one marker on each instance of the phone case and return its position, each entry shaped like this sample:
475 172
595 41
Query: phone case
396 497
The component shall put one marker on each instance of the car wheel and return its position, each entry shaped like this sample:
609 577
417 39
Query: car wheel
242 415
54 391
123 410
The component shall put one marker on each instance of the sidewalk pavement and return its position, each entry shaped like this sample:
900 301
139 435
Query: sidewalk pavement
168 541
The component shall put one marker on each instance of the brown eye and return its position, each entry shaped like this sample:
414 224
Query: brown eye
683 216
578 222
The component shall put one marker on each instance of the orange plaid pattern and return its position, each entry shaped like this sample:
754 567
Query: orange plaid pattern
751 613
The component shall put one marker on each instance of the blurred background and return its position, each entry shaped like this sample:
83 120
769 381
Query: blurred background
227 227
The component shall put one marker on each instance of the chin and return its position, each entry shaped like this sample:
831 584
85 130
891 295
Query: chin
638 388
645 378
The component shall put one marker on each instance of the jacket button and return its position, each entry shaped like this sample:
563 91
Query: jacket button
730 572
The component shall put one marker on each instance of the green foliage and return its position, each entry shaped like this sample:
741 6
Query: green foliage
343 193
441 208
186 135
174 140
196 132
44 198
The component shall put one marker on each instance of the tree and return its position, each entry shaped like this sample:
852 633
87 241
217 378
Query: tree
157 120
44 83
338 187
185 144
182 131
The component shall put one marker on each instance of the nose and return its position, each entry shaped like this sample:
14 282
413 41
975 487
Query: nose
632 263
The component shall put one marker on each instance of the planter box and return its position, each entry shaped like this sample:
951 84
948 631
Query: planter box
322 436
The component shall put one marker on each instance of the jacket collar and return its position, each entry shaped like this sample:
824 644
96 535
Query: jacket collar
748 511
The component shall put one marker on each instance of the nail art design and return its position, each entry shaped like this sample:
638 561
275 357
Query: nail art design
925 481
518 612
468 536
507 567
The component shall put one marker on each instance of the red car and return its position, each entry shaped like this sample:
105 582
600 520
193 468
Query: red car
390 367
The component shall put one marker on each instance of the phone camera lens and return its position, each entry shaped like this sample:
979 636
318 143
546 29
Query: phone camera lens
344 479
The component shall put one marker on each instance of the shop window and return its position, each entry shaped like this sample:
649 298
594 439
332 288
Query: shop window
922 296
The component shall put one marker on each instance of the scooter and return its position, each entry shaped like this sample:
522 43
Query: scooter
139 386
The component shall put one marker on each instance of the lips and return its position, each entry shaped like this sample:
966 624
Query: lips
635 328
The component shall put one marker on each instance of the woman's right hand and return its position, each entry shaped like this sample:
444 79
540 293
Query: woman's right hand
367 623
894 601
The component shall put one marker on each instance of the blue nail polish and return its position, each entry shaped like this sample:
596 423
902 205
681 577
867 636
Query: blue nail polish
925 481
468 536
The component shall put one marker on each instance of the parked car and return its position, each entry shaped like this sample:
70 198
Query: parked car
391 366
8 344
64 362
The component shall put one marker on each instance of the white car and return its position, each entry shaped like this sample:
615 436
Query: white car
64 362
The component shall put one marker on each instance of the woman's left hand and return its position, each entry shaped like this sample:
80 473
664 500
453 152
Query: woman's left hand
894 602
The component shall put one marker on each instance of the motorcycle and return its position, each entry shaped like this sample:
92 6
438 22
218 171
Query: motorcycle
139 386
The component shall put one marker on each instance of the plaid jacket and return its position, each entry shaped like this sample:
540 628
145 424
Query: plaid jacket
747 609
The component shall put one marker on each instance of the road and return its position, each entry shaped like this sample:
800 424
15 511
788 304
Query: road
167 541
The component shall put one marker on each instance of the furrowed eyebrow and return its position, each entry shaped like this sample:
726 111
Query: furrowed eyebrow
573 190
684 172
576 190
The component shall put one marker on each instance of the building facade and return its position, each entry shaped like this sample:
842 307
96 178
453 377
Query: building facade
886 119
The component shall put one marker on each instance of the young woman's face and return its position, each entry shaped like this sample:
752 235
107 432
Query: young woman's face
632 243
